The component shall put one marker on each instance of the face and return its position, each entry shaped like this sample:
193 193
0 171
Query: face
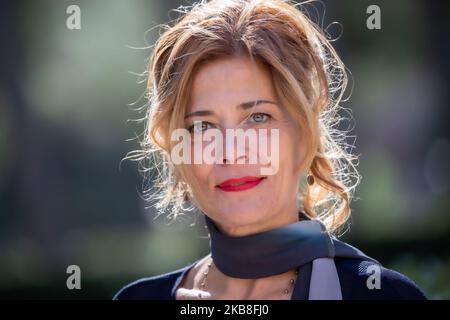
231 93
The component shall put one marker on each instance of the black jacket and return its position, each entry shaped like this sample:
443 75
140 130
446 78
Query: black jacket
353 278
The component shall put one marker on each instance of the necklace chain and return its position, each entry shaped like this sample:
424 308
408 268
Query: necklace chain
210 264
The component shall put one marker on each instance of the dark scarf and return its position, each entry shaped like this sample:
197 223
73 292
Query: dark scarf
277 251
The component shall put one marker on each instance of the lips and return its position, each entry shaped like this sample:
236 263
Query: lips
240 184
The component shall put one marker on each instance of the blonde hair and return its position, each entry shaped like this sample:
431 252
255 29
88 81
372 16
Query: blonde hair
308 76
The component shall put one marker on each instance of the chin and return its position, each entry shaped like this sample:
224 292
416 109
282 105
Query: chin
239 216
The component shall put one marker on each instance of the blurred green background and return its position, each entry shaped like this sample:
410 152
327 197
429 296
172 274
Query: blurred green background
66 199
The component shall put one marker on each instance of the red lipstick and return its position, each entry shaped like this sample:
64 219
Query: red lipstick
240 184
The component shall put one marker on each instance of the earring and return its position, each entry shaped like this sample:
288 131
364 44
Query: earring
310 179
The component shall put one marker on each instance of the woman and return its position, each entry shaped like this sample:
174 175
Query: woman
273 201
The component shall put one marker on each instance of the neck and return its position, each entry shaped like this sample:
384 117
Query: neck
284 217
271 287
268 253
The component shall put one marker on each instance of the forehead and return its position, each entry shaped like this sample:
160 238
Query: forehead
231 81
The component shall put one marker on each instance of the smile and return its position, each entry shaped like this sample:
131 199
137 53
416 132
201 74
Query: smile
240 184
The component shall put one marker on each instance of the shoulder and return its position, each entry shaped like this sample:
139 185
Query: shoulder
157 287
362 279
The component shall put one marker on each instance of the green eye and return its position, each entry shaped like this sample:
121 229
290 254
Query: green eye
260 117
199 127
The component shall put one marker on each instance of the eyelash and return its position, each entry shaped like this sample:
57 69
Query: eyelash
268 117
191 128
263 114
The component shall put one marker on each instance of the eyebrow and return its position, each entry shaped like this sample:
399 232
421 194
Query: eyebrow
243 105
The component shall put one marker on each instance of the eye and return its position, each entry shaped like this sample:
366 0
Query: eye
199 127
259 117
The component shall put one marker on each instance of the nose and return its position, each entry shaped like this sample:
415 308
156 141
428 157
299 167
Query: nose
234 151
229 161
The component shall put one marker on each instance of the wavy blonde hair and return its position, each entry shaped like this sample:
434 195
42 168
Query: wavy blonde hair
308 76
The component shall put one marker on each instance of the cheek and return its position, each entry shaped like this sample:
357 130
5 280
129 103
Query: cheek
201 173
290 150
